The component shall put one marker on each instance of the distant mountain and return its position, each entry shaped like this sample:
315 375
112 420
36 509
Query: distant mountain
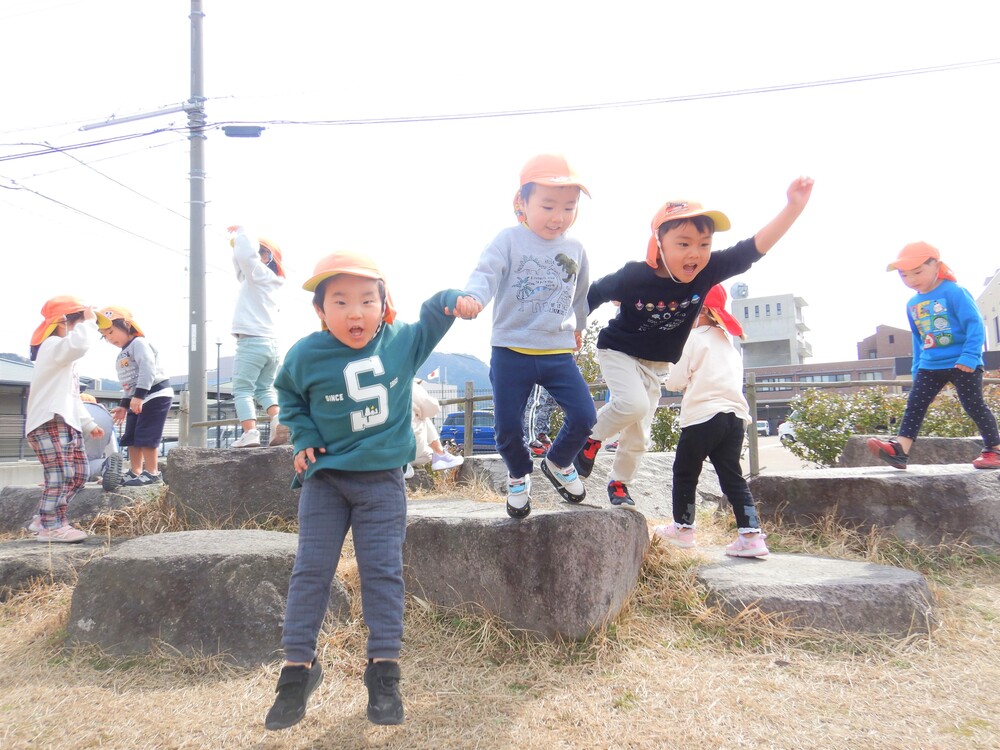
456 369
10 357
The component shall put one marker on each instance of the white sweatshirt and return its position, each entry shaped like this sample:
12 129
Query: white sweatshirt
257 305
55 388
710 372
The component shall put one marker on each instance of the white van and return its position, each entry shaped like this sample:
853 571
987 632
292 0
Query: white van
763 428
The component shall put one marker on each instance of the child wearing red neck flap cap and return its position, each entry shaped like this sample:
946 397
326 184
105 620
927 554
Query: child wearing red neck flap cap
948 339
713 419
659 300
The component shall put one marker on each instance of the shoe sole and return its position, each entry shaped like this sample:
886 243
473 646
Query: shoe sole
314 681
567 495
519 512
749 553
50 540
879 452
112 478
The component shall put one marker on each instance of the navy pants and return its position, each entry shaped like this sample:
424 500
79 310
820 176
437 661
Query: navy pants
513 376
720 439
373 505
968 385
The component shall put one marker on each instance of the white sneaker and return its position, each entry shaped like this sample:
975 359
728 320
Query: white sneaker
249 439
408 472
279 433
442 461
566 480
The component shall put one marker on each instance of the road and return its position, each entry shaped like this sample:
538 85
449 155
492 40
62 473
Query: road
774 457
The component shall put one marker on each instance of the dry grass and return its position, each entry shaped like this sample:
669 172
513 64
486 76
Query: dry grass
670 672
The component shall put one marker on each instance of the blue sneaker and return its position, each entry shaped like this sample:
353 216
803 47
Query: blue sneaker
566 481
519 496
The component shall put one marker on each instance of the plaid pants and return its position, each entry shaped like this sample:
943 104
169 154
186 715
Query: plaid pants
59 448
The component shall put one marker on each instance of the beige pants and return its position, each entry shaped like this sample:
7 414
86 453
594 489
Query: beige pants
635 394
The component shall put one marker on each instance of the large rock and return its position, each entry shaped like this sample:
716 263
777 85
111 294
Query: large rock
559 573
200 592
923 504
926 450
651 489
26 562
822 593
19 504
226 489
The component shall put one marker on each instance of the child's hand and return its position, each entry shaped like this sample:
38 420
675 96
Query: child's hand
135 405
799 191
963 368
118 414
89 313
305 457
466 307
97 433
579 340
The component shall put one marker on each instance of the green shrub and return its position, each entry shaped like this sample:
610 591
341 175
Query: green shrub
666 430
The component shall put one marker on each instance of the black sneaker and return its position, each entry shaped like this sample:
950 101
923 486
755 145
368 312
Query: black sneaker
889 451
618 493
385 706
131 480
584 461
295 685
151 478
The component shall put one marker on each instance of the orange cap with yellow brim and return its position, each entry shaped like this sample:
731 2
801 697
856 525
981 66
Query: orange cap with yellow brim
352 264
674 211
53 312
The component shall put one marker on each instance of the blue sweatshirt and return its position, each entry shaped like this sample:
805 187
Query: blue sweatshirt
947 328
357 403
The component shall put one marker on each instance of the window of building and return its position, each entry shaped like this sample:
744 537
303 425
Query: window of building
746 313
892 338
871 376
840 377
996 329
756 311
767 309
777 308
761 387
872 354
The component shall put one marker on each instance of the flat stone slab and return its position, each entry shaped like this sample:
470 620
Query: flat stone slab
200 592
19 504
808 591
926 450
925 504
26 562
562 572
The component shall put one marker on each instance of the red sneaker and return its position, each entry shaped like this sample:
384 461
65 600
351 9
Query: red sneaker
889 451
989 460
584 461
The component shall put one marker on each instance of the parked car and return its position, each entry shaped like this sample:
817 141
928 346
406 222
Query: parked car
763 428
786 432
484 438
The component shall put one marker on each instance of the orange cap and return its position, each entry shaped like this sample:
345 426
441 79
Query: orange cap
673 210
54 310
353 264
117 312
715 301
916 254
275 251
87 398
550 169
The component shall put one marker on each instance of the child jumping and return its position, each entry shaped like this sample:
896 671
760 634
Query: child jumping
147 400
948 336
345 395
537 278
56 418
659 300
260 272
714 417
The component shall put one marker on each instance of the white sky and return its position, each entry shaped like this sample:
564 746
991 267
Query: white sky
895 160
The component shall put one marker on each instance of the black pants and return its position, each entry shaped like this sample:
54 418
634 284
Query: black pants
968 385
720 439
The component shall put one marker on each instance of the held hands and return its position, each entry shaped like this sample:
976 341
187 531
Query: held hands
305 457
466 307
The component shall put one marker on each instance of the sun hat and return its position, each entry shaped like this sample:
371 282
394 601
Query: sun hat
550 169
117 312
53 312
715 302
272 247
673 211
87 398
352 264
916 254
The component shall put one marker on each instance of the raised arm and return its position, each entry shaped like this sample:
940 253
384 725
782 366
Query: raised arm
798 196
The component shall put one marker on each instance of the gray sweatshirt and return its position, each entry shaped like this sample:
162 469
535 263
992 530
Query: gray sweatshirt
538 287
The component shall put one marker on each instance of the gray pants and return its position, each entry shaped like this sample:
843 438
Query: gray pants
373 505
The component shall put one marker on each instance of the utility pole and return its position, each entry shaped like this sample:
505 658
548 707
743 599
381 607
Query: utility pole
197 344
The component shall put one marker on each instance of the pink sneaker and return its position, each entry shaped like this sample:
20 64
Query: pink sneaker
679 537
988 460
748 545
66 534
36 525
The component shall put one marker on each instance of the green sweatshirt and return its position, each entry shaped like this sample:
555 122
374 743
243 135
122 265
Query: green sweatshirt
356 403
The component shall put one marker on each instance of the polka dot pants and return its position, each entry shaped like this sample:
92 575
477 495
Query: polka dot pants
969 385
